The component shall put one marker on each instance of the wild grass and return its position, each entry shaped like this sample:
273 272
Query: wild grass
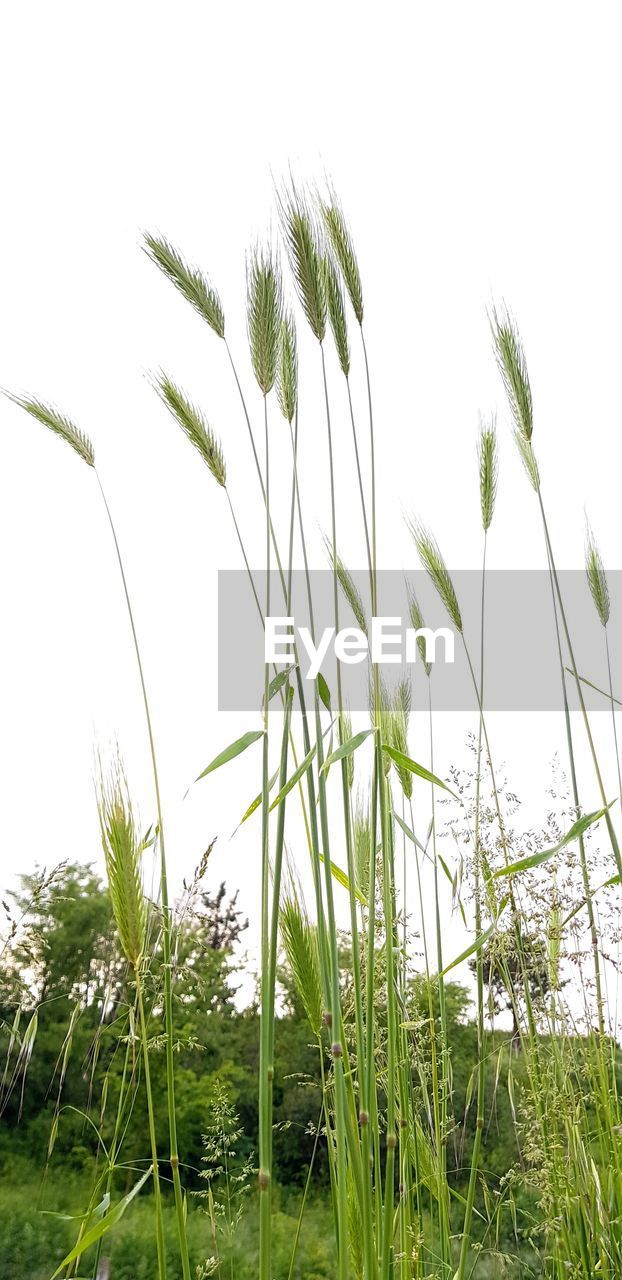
380 1019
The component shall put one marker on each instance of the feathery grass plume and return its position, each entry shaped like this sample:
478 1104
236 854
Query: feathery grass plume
193 425
192 284
287 371
336 314
302 244
300 944
416 618
123 852
513 370
525 448
264 309
59 424
343 249
361 832
596 576
380 712
398 731
348 586
345 735
432 561
488 470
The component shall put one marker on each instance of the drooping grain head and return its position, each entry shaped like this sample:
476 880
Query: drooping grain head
193 425
596 577
287 372
380 713
362 841
299 938
59 424
528 458
487 457
345 733
348 586
398 731
343 249
432 561
123 854
302 244
191 282
264 311
416 619
337 314
513 369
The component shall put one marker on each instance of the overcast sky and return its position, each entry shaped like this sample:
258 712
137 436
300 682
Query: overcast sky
476 151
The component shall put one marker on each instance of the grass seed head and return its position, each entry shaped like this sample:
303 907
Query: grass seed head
416 618
287 372
300 943
398 731
343 249
336 314
264 310
192 284
432 561
596 577
528 458
513 369
123 854
348 587
302 244
193 425
488 470
59 424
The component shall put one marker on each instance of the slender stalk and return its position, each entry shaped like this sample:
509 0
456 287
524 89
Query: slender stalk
267 1013
166 924
481 1061
562 613
152 1132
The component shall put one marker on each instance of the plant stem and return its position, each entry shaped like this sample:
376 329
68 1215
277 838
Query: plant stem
152 1133
166 925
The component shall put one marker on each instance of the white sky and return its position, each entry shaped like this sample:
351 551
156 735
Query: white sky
475 148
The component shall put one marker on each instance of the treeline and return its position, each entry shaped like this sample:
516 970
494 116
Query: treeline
65 974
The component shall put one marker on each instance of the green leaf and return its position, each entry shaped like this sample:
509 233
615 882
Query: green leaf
407 831
323 690
257 801
343 879
536 859
277 683
405 762
100 1228
346 749
235 749
479 942
595 687
291 782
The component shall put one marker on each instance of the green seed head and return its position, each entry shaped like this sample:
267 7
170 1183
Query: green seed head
596 577
302 244
191 283
123 854
287 373
488 471
193 425
343 249
264 308
513 370
59 424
